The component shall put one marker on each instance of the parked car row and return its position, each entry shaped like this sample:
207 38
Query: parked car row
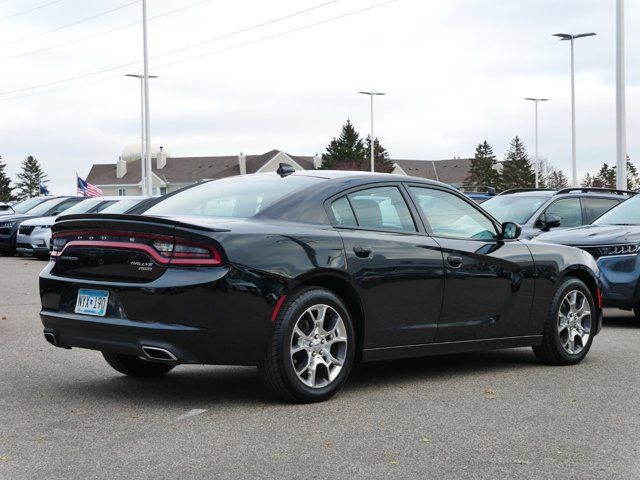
27 229
305 273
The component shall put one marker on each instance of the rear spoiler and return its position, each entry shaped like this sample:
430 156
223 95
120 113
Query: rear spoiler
79 219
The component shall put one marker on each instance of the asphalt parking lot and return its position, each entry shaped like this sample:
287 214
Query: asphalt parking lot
66 414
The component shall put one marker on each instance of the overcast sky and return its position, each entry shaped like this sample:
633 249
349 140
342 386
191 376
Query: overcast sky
455 73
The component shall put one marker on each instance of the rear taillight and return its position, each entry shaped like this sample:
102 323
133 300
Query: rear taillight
164 249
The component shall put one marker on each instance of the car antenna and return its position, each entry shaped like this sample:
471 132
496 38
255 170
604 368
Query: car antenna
285 169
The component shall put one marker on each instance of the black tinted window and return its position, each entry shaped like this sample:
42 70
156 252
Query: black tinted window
450 216
594 207
382 208
342 212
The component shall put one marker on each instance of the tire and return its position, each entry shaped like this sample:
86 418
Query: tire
556 347
135 366
324 344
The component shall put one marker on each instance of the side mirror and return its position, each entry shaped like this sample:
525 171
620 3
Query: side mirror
510 231
547 222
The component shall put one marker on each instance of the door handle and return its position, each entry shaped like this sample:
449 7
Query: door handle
455 262
362 252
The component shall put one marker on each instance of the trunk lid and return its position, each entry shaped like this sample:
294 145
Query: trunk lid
129 248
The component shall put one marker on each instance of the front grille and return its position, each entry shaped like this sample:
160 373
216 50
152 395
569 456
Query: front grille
594 251
26 229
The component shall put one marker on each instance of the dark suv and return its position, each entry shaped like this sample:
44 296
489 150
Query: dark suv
538 211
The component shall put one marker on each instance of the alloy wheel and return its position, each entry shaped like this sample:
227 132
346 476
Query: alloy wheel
318 346
574 322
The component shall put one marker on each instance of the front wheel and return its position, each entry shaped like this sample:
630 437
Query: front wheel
135 366
312 347
571 322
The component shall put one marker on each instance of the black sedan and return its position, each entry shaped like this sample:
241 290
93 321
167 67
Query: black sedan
305 273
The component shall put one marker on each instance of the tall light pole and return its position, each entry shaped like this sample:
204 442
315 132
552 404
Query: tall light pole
372 94
537 158
145 82
572 37
621 127
143 157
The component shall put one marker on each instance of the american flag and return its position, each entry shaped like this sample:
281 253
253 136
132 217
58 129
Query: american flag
87 190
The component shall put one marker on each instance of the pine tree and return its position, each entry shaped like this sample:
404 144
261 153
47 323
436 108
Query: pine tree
345 152
29 179
6 190
556 180
517 171
381 159
482 170
587 181
606 177
633 179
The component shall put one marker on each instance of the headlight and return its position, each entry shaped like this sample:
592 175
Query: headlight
43 227
613 250
7 224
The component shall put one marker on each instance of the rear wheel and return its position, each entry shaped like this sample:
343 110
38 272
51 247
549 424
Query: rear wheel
568 331
312 348
136 366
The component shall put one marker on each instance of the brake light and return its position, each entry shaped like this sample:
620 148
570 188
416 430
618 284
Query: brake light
164 249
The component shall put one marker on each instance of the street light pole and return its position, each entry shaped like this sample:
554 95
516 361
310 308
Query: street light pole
571 37
143 156
537 158
621 127
147 135
372 94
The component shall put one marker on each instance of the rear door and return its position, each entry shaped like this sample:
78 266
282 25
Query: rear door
488 283
397 269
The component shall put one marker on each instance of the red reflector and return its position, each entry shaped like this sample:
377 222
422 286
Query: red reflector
276 309
599 297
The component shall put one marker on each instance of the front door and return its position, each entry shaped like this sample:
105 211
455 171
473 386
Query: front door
396 267
489 284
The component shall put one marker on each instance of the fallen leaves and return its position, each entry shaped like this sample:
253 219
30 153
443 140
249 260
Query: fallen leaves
490 394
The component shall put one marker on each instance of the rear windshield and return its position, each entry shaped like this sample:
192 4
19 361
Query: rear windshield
513 208
238 197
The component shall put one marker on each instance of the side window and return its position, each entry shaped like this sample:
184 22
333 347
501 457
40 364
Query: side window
382 208
594 207
569 211
343 213
450 216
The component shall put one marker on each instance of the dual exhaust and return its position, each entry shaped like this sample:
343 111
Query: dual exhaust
152 353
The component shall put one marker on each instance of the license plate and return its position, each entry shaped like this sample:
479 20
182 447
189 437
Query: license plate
92 302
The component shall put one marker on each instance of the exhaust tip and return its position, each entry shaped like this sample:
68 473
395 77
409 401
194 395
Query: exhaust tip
50 337
157 353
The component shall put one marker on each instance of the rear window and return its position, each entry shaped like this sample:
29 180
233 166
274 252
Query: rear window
237 197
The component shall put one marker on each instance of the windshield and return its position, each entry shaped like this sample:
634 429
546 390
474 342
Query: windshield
44 207
627 213
26 205
122 206
512 208
89 206
238 197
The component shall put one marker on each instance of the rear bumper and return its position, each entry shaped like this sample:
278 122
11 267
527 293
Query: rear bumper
200 315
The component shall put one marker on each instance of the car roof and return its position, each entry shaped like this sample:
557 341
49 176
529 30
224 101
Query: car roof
365 176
